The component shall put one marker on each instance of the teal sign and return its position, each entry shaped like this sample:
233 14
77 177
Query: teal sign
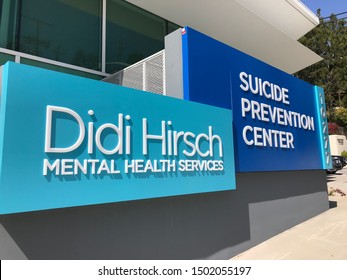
323 128
69 141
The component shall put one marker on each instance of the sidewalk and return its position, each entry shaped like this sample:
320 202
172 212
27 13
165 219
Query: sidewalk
323 237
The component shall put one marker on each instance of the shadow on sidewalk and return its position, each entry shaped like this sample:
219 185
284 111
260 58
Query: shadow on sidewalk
332 204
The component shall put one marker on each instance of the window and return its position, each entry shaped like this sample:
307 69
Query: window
132 34
8 23
6 57
63 30
171 27
70 31
60 69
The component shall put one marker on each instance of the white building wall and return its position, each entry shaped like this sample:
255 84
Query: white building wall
338 144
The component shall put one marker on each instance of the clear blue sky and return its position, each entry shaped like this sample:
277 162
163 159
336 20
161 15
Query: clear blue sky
327 6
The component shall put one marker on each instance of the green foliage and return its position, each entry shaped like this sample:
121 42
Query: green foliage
341 116
344 154
344 101
329 40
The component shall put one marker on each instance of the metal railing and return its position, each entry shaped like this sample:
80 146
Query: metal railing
147 74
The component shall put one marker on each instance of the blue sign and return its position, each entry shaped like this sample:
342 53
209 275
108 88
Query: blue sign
276 120
69 141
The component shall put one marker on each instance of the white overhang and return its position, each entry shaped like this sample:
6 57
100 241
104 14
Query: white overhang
266 29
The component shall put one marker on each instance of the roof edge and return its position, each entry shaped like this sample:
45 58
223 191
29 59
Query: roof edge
305 11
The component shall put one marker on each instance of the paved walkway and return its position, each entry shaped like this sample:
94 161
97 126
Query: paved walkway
323 237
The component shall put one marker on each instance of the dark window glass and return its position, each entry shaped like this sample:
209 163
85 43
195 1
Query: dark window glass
171 27
63 30
5 57
59 68
8 23
132 34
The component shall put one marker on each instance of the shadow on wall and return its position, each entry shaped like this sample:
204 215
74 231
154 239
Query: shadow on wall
210 225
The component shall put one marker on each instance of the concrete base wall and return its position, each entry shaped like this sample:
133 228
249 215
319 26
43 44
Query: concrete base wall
215 225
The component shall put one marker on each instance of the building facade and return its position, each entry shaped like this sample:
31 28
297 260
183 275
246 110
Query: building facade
97 38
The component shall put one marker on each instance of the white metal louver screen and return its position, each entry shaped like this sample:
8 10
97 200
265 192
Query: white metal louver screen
147 74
